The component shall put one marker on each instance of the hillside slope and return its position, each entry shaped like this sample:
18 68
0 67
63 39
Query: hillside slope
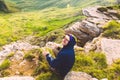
28 5
3 6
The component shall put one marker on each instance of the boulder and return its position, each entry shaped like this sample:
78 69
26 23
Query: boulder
78 76
111 48
84 31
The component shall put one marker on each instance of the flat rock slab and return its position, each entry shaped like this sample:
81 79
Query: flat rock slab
111 48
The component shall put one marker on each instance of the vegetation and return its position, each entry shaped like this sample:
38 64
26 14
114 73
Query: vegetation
5 64
34 53
29 56
30 5
10 55
16 26
113 72
4 73
3 6
112 30
91 63
102 9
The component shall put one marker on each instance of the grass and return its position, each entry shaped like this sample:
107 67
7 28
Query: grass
30 5
29 56
4 73
10 55
15 26
112 30
95 64
5 64
113 72
91 63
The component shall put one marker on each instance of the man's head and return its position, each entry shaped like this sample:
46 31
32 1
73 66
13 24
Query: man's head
68 40
65 40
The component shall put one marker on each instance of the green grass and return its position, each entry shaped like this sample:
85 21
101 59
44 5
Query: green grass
4 73
29 56
112 30
10 55
91 63
5 64
15 26
30 5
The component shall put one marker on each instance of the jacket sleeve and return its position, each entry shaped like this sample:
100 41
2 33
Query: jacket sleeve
53 62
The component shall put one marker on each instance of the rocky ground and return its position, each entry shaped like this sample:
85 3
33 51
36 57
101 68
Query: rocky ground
18 78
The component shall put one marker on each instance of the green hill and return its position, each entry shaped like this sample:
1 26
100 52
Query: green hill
14 26
28 5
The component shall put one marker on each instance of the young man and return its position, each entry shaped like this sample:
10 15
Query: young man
65 59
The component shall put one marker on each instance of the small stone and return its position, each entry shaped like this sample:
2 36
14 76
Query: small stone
17 72
104 79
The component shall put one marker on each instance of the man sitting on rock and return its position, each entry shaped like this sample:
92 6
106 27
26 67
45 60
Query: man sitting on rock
65 59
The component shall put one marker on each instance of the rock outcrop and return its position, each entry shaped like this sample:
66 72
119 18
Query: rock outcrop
111 48
17 48
91 27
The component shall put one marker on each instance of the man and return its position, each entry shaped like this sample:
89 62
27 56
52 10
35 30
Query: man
65 59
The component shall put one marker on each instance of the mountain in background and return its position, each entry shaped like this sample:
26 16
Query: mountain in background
28 5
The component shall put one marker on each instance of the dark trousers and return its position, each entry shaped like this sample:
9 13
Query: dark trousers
58 74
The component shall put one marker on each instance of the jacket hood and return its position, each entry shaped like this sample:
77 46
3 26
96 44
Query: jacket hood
71 43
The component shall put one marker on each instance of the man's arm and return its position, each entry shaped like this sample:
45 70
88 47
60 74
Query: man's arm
53 62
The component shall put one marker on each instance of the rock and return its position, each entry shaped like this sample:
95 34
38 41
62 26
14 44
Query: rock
54 47
93 12
91 27
94 79
104 79
84 31
22 63
78 76
17 48
111 48
94 45
17 72
18 78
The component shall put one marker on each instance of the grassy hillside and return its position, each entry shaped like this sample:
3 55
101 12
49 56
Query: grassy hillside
15 26
28 5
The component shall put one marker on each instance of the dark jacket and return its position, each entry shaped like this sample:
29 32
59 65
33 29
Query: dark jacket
65 58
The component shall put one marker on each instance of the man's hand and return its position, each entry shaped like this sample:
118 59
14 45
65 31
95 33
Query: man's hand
45 52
